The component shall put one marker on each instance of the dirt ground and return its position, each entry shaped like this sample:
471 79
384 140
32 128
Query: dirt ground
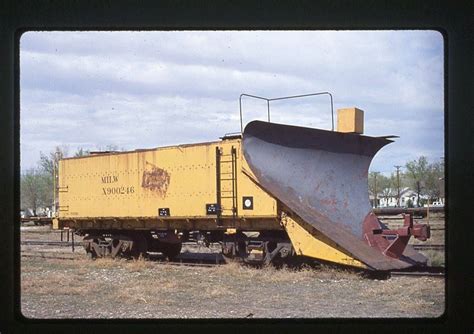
144 289
106 288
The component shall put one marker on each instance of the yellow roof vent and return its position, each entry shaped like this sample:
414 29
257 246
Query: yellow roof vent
350 120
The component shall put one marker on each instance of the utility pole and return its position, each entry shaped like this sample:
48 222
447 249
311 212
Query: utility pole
418 188
398 185
375 188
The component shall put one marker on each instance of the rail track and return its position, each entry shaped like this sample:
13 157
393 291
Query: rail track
435 271
438 247
50 243
184 259
416 211
79 243
37 220
207 260
51 255
158 260
417 274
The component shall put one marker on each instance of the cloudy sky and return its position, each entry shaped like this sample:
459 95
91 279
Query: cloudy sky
148 89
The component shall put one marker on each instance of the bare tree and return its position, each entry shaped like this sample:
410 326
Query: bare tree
416 172
110 147
34 190
385 186
434 183
425 177
373 186
48 165
49 162
81 152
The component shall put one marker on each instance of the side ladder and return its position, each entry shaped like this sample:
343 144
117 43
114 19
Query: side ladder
226 184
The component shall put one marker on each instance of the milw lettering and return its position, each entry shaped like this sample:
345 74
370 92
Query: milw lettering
109 179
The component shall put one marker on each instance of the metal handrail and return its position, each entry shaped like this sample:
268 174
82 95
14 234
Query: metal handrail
283 98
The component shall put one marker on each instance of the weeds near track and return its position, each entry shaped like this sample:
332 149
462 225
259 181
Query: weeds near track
436 258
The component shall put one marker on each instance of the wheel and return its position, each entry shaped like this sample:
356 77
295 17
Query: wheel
118 245
228 249
91 246
140 246
171 250
91 255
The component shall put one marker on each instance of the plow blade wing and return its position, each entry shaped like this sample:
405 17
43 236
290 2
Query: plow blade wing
322 177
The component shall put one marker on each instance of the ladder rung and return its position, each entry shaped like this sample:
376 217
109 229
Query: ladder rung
226 173
231 179
226 161
227 196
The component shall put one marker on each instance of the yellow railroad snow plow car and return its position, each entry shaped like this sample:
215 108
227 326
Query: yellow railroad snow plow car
299 191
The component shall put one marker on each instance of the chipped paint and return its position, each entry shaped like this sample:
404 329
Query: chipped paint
155 179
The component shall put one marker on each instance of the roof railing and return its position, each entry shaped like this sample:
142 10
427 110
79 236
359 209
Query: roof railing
283 98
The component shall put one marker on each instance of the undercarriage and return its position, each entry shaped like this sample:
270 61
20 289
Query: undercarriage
257 248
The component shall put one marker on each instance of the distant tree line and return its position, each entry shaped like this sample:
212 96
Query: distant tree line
37 183
425 178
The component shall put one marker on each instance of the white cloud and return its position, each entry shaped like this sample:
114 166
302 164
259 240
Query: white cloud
146 89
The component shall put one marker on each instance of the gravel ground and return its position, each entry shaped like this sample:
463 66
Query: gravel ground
146 289
106 288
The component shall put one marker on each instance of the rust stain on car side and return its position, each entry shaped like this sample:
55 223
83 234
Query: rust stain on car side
155 179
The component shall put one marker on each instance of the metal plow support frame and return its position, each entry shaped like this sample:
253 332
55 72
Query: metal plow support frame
322 177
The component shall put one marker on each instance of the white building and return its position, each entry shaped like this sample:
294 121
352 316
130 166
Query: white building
388 199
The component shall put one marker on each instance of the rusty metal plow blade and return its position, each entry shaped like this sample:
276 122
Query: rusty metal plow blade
321 176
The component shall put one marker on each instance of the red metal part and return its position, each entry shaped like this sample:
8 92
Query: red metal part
393 242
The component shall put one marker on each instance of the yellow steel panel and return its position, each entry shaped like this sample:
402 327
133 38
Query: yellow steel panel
138 183
314 246
263 203
350 120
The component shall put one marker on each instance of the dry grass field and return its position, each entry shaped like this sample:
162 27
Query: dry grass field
106 288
